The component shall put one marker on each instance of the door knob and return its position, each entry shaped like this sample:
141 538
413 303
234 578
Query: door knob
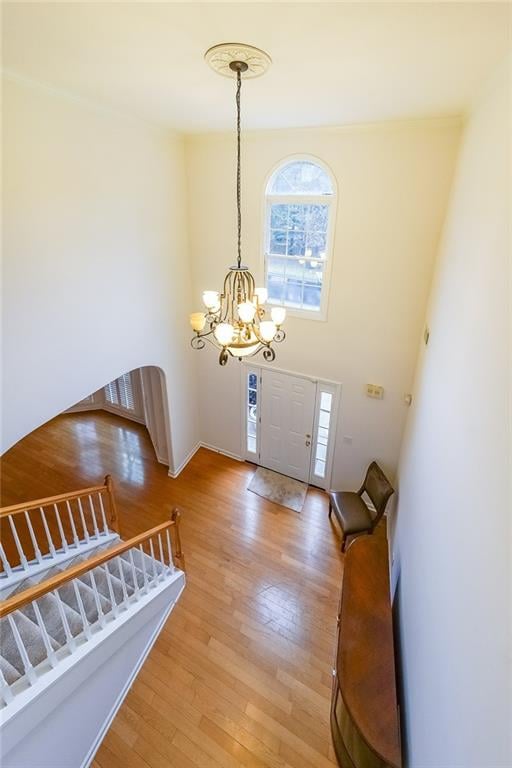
308 442
308 436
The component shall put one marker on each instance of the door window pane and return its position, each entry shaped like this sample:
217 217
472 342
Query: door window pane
322 437
252 412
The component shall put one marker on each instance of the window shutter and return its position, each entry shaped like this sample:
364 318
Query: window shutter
120 393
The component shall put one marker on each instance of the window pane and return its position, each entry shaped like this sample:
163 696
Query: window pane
252 397
300 177
316 244
312 297
251 428
325 401
253 380
323 419
323 433
317 218
276 267
321 452
275 287
296 243
277 241
279 217
297 216
251 444
293 295
319 468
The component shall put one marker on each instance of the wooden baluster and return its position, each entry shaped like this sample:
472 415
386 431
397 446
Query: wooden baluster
142 557
23 559
76 540
47 532
169 551
114 520
83 615
153 560
161 556
82 519
5 690
175 518
27 664
122 579
61 529
37 551
70 640
44 634
111 590
103 516
5 562
94 521
134 572
94 587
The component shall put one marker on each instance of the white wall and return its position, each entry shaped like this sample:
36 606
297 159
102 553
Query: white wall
452 540
96 273
393 184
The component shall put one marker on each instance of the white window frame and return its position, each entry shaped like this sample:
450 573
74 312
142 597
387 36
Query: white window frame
331 201
322 385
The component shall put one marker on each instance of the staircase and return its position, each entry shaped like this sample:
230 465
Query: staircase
77 622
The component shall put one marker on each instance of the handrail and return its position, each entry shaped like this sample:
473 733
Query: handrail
54 582
107 488
14 508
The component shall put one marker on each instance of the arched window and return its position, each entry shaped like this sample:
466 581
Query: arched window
300 197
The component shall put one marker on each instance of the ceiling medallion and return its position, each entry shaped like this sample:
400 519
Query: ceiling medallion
235 319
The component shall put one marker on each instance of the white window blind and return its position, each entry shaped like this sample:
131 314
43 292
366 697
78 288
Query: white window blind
120 393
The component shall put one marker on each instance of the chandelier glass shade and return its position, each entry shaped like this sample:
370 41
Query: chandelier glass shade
235 320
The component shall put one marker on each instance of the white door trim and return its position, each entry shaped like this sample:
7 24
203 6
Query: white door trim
329 384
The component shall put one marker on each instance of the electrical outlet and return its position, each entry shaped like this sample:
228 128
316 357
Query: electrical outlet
374 390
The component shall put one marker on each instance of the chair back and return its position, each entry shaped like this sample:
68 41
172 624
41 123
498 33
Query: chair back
378 488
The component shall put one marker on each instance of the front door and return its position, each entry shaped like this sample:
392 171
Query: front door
287 416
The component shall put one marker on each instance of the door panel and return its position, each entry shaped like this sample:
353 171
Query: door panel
287 415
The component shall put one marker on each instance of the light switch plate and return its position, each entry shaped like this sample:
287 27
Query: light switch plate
374 390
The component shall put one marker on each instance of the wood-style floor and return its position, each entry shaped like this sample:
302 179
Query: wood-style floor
241 673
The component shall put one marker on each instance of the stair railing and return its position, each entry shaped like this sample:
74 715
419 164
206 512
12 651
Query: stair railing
151 558
34 531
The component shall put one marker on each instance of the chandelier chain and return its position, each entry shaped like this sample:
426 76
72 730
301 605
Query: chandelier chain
238 171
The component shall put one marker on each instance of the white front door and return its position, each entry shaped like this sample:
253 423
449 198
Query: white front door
287 417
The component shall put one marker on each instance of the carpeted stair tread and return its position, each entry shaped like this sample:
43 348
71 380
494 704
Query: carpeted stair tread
32 641
52 620
9 672
138 559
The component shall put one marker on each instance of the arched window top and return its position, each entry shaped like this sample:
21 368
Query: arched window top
300 177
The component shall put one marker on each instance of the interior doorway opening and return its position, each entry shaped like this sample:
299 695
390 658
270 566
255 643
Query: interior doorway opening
138 395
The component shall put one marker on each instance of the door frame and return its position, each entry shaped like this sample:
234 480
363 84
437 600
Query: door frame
334 387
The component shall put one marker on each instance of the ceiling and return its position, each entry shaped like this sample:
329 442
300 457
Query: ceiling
333 63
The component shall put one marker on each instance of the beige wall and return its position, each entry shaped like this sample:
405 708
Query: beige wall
393 185
452 541
96 275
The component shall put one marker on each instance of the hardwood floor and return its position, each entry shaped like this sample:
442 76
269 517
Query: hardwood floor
241 673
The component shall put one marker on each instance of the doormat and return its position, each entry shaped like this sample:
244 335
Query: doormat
278 488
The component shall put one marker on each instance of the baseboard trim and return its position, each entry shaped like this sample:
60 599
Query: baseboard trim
214 448
174 473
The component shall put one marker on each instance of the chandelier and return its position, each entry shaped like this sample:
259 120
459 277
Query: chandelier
235 320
